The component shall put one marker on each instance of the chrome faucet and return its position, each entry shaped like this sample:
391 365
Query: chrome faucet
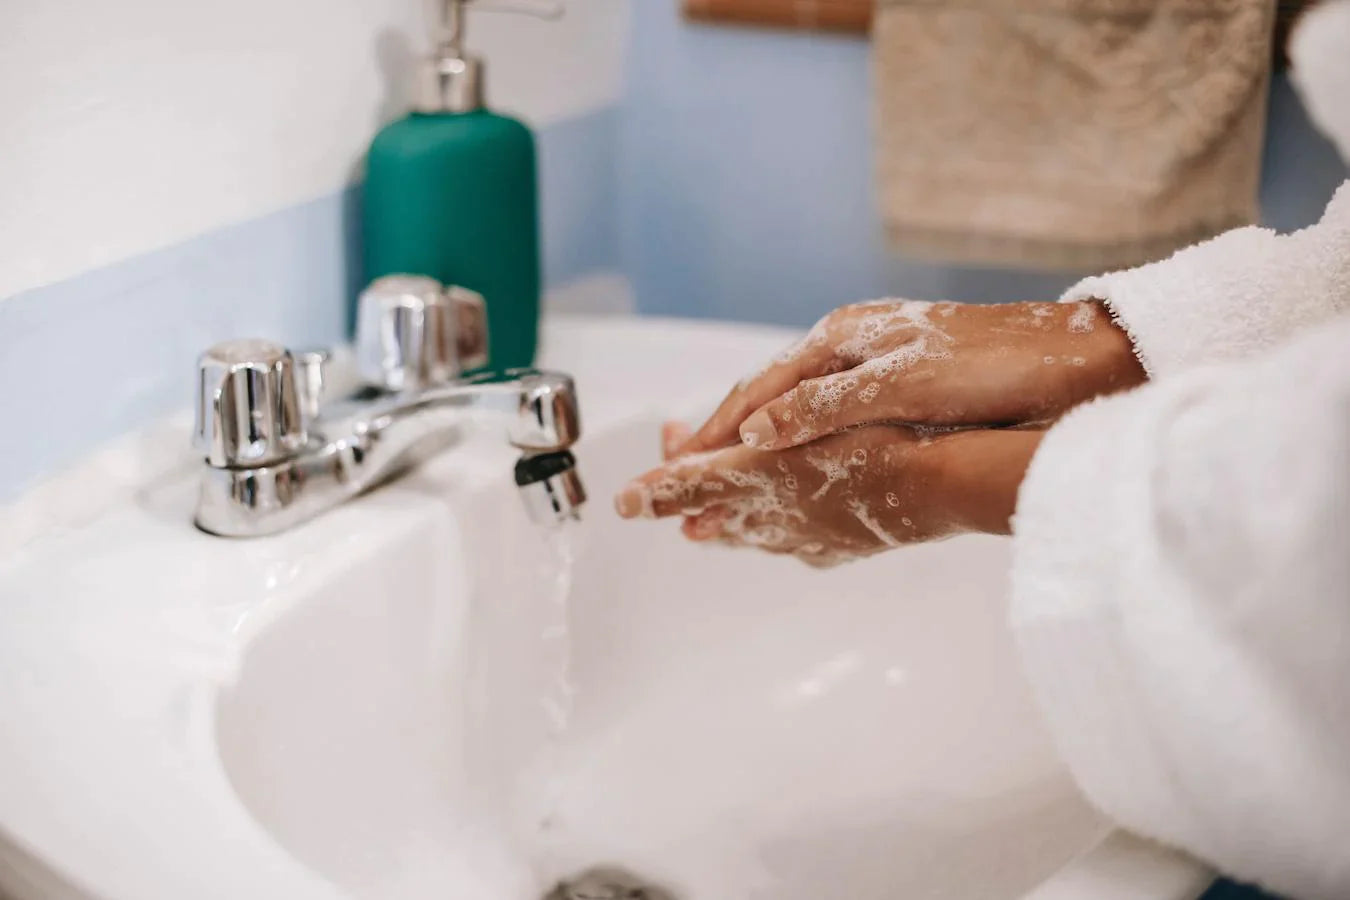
278 451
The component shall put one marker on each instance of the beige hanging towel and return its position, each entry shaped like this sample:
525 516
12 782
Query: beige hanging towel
1076 134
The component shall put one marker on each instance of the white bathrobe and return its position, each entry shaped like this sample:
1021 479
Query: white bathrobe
1181 589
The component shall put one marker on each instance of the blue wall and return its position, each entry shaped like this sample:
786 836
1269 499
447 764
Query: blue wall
747 178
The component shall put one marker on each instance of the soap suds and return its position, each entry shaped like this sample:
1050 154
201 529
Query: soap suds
866 333
766 535
743 479
677 485
861 513
926 346
871 330
832 469
1082 321
825 395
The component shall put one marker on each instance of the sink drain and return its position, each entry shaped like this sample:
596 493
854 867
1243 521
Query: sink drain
607 884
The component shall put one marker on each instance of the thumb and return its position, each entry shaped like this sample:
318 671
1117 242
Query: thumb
813 409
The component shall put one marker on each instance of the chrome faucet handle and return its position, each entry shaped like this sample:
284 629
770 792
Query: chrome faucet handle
414 333
471 327
313 380
249 411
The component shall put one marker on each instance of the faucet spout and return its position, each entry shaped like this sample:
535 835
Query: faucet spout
539 409
550 486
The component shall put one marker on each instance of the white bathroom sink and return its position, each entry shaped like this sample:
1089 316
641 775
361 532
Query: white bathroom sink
367 706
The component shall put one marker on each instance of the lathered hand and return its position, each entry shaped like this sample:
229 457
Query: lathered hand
845 496
936 364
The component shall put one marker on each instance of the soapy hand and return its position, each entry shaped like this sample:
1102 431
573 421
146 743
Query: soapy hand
945 364
845 496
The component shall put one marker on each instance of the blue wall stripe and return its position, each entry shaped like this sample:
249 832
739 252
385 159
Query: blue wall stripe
87 359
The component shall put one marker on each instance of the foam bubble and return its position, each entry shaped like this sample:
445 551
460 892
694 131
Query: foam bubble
863 515
832 469
892 500
768 535
865 330
827 393
928 345
692 462
670 489
743 478
871 330
1082 320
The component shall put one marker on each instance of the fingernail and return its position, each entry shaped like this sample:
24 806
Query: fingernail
628 502
758 430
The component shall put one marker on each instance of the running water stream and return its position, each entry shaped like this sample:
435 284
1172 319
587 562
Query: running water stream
555 651
522 690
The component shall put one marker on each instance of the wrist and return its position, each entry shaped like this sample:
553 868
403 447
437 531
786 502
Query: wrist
980 472
1113 352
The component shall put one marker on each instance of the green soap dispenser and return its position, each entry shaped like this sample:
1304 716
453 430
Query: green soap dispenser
451 192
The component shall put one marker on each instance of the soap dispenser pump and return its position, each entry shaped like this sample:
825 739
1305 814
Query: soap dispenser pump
451 190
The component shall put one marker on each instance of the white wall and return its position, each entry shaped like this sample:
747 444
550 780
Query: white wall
130 125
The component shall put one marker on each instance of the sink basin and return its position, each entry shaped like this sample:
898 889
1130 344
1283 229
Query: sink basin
373 705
